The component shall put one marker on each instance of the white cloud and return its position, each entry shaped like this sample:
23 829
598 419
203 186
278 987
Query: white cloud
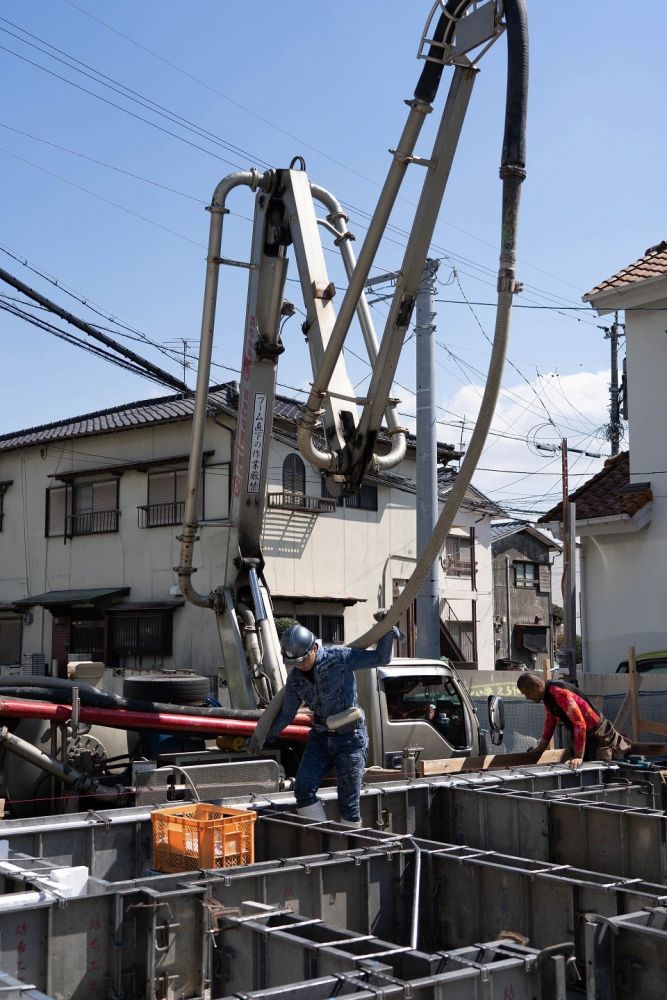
550 408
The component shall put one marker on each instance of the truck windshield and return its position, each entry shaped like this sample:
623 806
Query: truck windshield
430 699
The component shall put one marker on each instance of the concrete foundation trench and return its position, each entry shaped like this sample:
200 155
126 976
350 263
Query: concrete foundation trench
527 883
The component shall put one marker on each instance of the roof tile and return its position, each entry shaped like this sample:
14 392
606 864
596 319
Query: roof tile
652 265
608 493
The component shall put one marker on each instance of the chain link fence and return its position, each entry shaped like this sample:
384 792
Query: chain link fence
524 720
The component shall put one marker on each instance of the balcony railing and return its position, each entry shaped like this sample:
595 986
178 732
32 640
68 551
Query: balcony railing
300 502
161 515
94 522
456 567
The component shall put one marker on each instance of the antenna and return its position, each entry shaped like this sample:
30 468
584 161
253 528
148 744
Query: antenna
185 343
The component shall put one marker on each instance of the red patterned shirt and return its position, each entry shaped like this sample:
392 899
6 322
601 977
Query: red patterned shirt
582 717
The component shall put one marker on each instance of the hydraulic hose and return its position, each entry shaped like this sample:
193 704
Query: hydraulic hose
85 784
59 691
161 722
512 172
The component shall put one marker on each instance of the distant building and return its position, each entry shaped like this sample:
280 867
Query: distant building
621 512
523 624
90 511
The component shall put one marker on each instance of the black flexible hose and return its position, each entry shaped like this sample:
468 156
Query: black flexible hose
514 142
429 81
57 689
516 106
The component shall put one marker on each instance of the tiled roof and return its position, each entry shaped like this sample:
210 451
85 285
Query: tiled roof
608 493
169 409
508 528
652 265
166 409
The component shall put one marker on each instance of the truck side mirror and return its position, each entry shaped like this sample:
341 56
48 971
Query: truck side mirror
496 718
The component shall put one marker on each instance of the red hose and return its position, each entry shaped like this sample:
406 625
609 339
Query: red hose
123 718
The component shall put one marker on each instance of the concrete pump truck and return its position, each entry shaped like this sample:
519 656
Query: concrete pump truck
338 433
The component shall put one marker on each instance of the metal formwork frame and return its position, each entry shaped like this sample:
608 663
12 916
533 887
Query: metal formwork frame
133 933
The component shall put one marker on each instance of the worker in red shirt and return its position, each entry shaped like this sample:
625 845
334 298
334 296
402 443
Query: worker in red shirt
593 736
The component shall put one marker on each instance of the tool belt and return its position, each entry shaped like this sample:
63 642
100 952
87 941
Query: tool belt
346 721
606 736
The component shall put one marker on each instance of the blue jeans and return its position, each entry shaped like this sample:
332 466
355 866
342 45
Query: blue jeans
347 753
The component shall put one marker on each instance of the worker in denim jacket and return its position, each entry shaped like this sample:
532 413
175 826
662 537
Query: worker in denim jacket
323 679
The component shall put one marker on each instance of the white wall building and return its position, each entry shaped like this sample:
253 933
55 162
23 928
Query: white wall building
89 516
622 511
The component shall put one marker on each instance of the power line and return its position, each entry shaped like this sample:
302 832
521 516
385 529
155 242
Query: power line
102 163
156 108
278 128
116 87
90 331
101 197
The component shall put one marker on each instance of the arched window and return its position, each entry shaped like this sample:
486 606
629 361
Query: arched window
294 475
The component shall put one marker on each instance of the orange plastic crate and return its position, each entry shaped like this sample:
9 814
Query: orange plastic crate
199 835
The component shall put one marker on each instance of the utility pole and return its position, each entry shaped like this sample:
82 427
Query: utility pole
569 537
614 412
569 585
428 598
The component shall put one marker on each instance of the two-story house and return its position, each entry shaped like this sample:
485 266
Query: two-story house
621 513
522 595
88 540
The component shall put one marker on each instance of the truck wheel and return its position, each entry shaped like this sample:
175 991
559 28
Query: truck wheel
188 690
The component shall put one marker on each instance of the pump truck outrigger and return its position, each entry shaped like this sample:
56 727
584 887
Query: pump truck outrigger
334 436
285 215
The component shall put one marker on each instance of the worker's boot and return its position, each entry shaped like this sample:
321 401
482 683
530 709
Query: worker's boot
355 824
313 811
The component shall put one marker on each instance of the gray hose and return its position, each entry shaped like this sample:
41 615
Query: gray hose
269 716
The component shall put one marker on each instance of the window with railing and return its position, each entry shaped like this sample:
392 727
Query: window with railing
293 496
166 499
82 508
11 632
457 557
329 628
87 637
140 632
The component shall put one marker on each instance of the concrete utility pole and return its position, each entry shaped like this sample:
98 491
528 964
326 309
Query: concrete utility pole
569 573
428 598
614 411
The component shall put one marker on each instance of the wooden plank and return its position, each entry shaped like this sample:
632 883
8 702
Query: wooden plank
650 749
648 726
619 721
372 774
427 768
634 699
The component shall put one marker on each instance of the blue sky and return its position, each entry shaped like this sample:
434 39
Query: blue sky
328 82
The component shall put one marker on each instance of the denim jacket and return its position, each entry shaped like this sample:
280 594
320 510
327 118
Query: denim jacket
333 688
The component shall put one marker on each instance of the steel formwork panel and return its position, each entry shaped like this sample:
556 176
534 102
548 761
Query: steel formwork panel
626 957
608 829
156 928
278 945
136 934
